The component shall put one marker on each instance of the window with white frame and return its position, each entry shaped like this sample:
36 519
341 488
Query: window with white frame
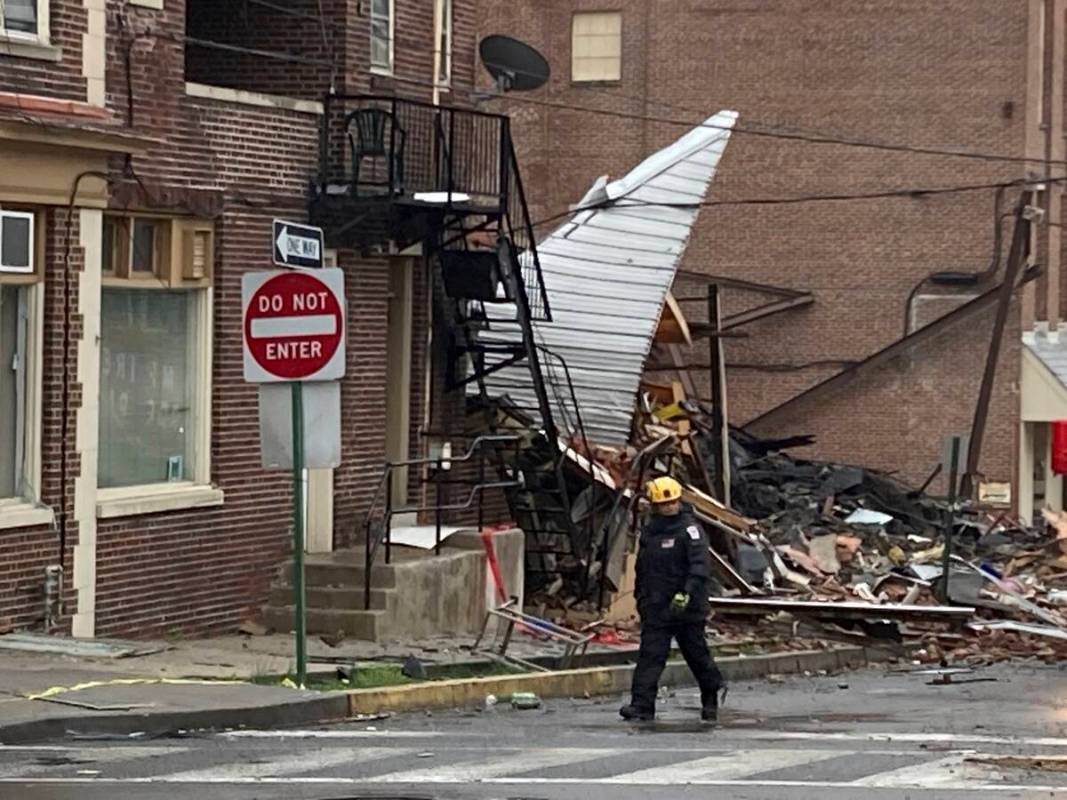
382 27
24 19
596 46
20 359
155 352
444 45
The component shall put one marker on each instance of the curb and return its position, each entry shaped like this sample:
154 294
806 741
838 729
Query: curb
599 681
323 708
424 696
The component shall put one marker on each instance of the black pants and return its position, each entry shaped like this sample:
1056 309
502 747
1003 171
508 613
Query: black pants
656 646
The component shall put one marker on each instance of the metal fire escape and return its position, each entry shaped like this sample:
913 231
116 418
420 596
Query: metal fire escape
396 173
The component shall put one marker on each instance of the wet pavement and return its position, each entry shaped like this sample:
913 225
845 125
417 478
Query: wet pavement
874 734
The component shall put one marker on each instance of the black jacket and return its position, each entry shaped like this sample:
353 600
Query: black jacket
672 557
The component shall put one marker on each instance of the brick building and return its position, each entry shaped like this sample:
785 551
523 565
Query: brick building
145 147
866 99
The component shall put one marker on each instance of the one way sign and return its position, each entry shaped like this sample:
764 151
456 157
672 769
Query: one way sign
297 245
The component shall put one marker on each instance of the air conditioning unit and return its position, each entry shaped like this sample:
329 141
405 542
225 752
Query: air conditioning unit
16 242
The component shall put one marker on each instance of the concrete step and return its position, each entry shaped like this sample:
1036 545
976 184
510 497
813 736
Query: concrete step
330 598
321 575
366 625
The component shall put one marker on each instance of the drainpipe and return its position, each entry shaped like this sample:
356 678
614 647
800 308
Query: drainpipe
1056 151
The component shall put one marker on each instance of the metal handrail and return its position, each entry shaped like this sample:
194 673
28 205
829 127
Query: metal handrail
588 453
386 485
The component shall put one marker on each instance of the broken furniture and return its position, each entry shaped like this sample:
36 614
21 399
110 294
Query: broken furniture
574 643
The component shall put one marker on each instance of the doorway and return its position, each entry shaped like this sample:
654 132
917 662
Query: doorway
398 374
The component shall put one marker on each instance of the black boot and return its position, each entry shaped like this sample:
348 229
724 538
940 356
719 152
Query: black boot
636 713
709 702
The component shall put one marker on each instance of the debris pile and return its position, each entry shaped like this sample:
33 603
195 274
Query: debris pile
843 552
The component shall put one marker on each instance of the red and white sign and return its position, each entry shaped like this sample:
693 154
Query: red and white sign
293 325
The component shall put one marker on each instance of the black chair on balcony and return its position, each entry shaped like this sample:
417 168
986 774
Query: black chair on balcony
376 133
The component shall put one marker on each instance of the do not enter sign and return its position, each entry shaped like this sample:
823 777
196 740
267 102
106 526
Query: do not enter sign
293 326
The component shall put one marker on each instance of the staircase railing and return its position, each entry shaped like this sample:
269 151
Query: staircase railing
378 531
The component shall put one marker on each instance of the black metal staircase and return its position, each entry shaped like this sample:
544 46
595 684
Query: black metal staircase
394 173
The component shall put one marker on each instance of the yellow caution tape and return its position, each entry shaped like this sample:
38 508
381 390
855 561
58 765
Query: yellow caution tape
54 690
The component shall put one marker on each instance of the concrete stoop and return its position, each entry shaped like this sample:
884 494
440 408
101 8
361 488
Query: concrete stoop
419 595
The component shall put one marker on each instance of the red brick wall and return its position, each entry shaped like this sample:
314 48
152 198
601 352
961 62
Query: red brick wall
60 80
261 28
24 553
904 72
204 570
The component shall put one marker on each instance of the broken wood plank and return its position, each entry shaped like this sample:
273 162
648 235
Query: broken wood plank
815 608
712 507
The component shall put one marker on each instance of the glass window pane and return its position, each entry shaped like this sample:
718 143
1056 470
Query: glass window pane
146 391
379 45
15 242
380 8
20 15
9 426
108 246
144 245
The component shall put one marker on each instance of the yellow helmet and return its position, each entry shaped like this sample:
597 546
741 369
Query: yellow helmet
663 490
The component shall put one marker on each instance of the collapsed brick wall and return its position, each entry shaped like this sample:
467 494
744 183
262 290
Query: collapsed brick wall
889 73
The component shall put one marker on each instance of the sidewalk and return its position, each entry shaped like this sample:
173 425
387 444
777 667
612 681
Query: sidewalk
209 683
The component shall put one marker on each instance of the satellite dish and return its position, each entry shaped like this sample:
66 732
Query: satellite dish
514 65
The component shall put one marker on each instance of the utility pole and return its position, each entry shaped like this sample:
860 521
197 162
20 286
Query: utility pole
720 442
1017 255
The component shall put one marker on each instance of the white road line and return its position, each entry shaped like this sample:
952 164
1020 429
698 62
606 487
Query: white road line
939 773
731 765
288 765
312 325
917 738
96 755
1053 792
503 764
382 734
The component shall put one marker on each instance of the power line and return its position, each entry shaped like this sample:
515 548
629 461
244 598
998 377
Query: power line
913 192
810 138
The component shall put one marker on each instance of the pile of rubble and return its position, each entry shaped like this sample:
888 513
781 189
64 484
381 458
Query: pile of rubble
842 552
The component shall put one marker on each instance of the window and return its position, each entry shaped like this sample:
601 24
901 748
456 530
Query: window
147 371
381 35
596 46
444 45
155 345
13 358
24 18
21 297
16 238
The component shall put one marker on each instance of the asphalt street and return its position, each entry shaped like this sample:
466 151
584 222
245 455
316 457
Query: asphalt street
874 735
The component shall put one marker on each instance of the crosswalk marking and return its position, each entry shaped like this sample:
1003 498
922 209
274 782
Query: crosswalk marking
729 765
331 734
353 764
510 764
938 773
286 765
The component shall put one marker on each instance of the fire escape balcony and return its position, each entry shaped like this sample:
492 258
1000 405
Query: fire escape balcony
392 170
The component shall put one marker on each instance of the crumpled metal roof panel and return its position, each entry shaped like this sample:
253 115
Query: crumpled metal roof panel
607 272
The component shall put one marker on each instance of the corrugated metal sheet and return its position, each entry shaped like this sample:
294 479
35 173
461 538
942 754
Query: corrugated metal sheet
1051 352
607 272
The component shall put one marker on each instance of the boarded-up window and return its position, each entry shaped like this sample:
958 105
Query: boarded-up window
596 46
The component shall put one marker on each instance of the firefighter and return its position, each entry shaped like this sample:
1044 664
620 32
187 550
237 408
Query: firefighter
673 576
